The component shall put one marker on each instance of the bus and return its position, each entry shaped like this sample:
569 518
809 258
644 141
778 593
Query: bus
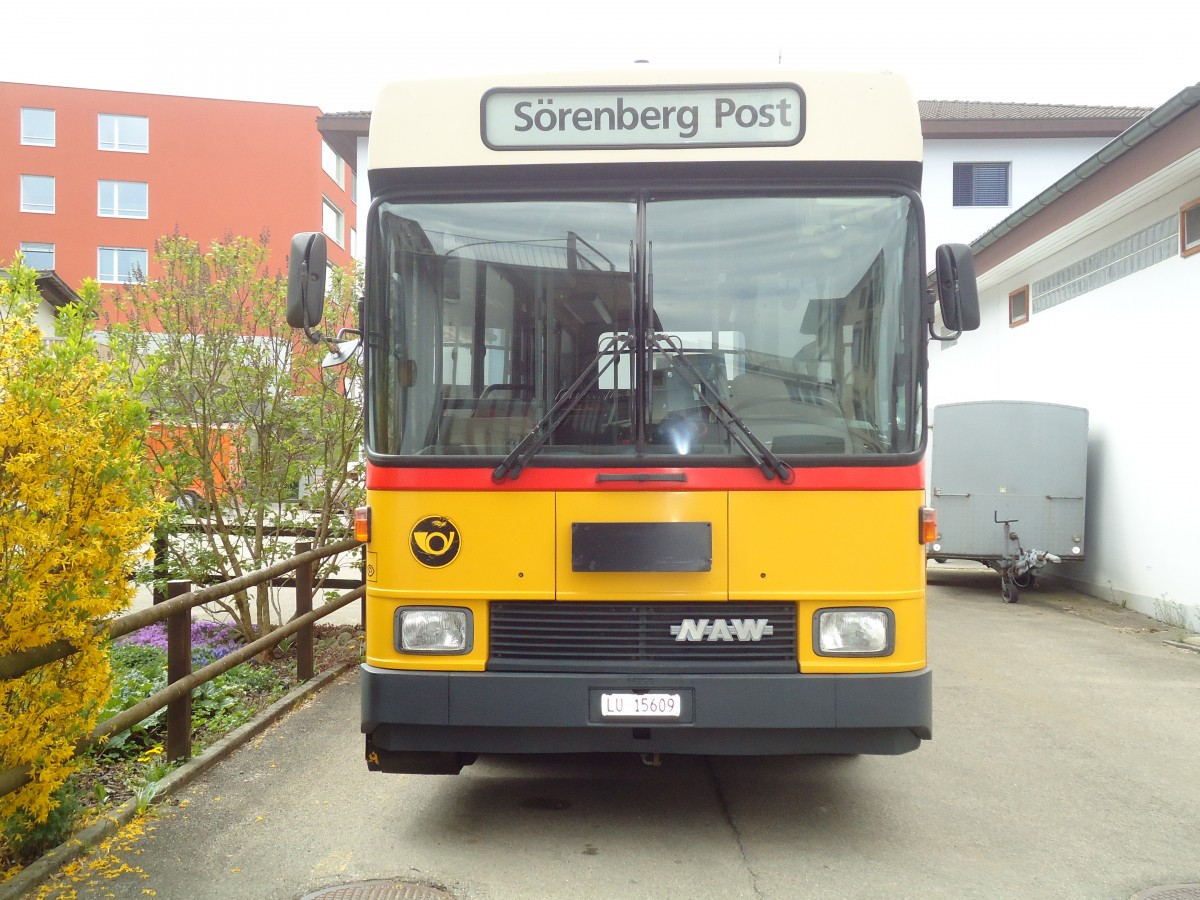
645 358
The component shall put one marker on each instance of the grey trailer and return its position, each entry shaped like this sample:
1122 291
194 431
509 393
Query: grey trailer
1009 481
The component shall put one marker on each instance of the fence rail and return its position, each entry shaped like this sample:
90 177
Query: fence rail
176 611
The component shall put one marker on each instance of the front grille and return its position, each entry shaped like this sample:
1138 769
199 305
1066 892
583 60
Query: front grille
636 637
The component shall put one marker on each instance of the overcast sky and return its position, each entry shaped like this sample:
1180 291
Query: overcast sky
335 56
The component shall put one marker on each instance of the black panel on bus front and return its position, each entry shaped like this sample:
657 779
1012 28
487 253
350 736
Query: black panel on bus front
641 546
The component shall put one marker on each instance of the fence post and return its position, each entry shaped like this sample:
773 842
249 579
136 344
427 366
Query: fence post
304 637
179 665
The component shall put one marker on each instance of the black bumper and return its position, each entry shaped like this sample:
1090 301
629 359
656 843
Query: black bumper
506 712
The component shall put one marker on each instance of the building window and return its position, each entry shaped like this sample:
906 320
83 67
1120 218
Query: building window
1189 229
37 127
124 199
128 134
121 265
334 165
981 184
1018 307
333 223
38 256
37 193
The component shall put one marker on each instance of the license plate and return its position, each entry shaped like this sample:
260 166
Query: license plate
641 706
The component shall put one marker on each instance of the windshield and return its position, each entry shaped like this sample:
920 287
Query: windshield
797 314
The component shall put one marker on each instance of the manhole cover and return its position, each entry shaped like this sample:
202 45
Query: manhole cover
380 890
1170 892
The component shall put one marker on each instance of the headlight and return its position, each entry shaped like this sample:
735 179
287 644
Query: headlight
433 630
854 632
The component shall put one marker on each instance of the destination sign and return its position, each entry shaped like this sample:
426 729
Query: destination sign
764 115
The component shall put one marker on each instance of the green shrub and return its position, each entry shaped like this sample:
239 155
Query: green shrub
218 706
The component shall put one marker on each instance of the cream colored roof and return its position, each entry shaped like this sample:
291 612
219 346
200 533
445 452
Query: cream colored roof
849 116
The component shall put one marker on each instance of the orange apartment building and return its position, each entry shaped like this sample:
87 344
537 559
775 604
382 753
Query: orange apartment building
90 179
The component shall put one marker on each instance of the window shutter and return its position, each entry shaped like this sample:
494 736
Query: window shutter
964 186
991 184
981 184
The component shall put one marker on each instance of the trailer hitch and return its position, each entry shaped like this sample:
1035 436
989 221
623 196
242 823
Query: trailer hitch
1019 571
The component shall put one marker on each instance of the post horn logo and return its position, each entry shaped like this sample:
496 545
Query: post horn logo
435 542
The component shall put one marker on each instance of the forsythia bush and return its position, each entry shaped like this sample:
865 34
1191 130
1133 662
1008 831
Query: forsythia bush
76 508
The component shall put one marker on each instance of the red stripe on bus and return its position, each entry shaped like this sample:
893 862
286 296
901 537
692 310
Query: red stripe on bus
842 478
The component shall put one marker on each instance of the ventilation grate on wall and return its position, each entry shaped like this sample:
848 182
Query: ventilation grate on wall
1139 251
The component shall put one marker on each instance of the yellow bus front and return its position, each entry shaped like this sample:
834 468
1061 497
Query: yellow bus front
644 389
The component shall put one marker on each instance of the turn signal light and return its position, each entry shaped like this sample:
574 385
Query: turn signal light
362 524
928 532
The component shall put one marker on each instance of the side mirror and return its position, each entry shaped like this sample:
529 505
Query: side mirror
958 294
306 280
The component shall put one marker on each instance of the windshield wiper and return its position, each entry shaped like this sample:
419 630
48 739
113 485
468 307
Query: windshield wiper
768 463
529 445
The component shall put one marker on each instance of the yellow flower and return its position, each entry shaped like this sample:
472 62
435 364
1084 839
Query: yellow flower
77 499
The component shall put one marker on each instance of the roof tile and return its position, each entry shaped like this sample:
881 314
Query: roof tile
967 110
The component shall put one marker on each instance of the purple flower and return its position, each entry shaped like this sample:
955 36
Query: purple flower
210 640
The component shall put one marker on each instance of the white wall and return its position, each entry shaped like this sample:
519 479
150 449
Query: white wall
1036 164
44 319
363 200
1126 352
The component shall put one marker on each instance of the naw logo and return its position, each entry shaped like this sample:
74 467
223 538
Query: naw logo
722 630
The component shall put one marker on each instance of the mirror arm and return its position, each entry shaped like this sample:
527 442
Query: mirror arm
934 336
314 337
930 309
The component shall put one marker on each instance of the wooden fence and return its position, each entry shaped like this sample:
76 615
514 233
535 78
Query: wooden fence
176 610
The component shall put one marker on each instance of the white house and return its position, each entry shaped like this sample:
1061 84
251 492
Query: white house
1090 297
984 160
55 294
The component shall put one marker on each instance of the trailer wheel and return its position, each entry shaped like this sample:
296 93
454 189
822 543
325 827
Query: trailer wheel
1008 588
